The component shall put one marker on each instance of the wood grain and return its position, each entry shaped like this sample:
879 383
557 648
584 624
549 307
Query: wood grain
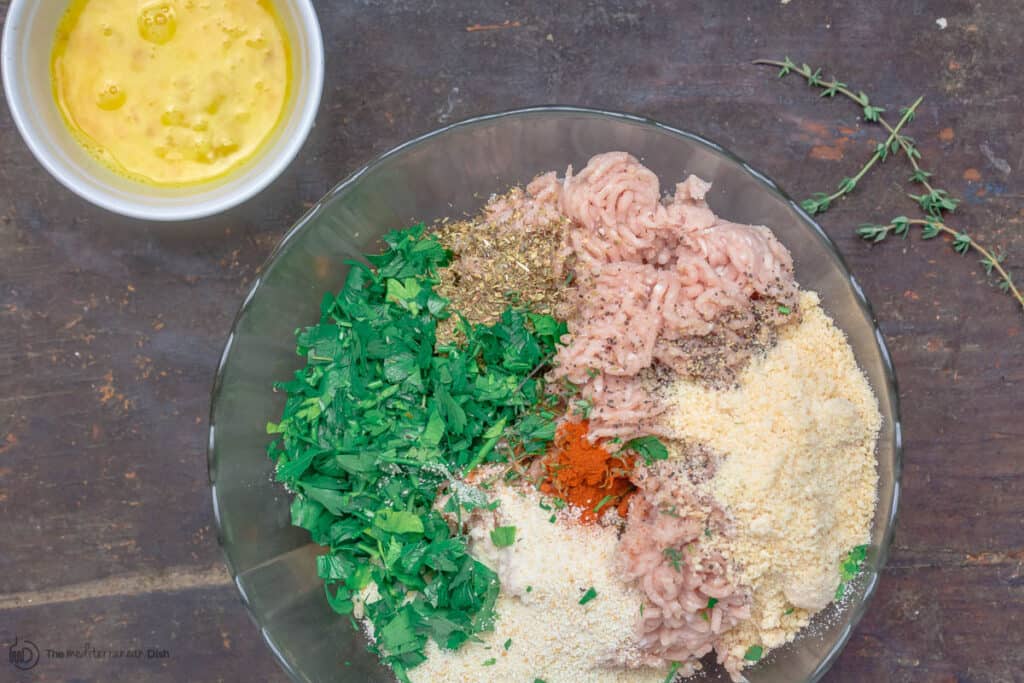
110 329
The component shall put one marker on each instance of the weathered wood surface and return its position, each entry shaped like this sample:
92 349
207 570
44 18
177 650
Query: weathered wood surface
110 329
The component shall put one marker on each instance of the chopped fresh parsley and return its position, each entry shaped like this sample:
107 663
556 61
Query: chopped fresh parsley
604 501
378 420
788 612
850 568
785 310
508 644
552 519
583 407
529 589
503 536
588 596
705 613
650 448
672 672
753 653
674 557
490 662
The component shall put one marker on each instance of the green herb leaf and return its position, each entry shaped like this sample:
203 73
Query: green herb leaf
503 536
674 557
753 653
583 407
850 567
672 672
490 662
650 448
604 501
398 522
872 113
588 596
847 185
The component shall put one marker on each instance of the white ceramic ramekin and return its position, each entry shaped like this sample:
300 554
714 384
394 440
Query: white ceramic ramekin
29 31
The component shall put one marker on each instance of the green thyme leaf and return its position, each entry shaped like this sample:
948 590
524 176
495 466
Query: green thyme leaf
962 243
872 113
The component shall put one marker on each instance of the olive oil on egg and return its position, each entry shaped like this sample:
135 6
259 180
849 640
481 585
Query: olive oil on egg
172 92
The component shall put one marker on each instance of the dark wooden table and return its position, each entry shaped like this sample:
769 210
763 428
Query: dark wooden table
110 329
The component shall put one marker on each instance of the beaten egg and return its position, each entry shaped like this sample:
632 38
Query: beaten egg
172 92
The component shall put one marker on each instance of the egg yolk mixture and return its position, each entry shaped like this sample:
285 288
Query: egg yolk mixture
171 92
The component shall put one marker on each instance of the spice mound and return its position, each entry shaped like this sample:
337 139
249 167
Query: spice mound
585 475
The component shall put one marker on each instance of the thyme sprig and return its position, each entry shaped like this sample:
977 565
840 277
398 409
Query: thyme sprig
934 202
820 202
961 242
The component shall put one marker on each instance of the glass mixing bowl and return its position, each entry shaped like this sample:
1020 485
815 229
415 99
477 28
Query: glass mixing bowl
451 172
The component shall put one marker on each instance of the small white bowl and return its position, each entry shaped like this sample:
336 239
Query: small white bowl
29 32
